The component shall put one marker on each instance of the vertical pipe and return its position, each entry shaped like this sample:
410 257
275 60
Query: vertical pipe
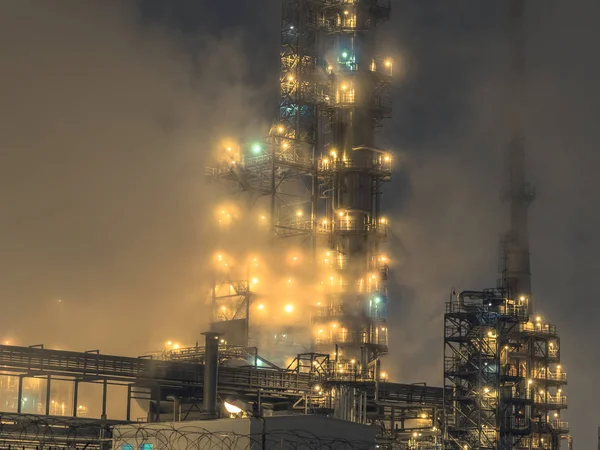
176 408
211 367
158 396
20 395
104 395
48 382
75 396
248 299
128 412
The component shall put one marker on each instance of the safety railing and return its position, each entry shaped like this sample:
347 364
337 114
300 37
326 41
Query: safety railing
560 425
330 311
539 328
355 226
552 376
550 400
378 165
289 157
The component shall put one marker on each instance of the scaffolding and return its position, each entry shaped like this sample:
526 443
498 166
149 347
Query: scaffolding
320 176
503 382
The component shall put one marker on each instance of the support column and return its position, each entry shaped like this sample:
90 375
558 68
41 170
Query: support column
20 395
128 413
48 384
104 395
75 397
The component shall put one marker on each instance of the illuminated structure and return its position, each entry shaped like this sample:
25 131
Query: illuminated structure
318 297
503 380
321 175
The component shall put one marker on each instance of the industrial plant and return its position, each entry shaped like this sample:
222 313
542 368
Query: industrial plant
297 332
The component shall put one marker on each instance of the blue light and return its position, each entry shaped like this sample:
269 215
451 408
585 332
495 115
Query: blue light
345 55
146 446
377 299
256 148
126 447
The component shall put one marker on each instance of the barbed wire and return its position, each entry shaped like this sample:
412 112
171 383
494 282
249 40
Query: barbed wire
28 432
175 436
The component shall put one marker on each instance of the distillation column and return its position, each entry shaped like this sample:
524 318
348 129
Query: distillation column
352 170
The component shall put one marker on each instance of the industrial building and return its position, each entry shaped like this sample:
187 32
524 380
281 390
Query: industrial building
298 329
503 379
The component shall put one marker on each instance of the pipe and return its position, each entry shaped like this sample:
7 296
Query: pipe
469 294
176 407
372 149
211 367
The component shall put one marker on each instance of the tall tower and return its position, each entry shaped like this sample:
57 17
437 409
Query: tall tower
503 378
515 264
351 321
317 180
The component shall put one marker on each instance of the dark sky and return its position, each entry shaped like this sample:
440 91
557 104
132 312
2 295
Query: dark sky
109 110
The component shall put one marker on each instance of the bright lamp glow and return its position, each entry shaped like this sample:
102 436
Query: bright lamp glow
232 409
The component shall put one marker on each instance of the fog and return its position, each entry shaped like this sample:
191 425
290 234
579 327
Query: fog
105 124
451 121
106 121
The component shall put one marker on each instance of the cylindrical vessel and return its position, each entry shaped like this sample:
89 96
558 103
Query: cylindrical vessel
211 368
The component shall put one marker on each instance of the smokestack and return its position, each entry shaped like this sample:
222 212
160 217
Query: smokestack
211 369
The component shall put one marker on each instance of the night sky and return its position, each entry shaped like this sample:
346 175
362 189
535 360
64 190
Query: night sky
109 109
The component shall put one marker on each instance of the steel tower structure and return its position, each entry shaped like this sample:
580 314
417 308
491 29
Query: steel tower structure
321 175
351 172
503 381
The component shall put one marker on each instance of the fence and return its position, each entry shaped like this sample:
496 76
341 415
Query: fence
178 436
28 432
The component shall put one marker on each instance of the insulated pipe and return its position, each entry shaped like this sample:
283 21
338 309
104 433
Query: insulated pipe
469 294
372 149
211 367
